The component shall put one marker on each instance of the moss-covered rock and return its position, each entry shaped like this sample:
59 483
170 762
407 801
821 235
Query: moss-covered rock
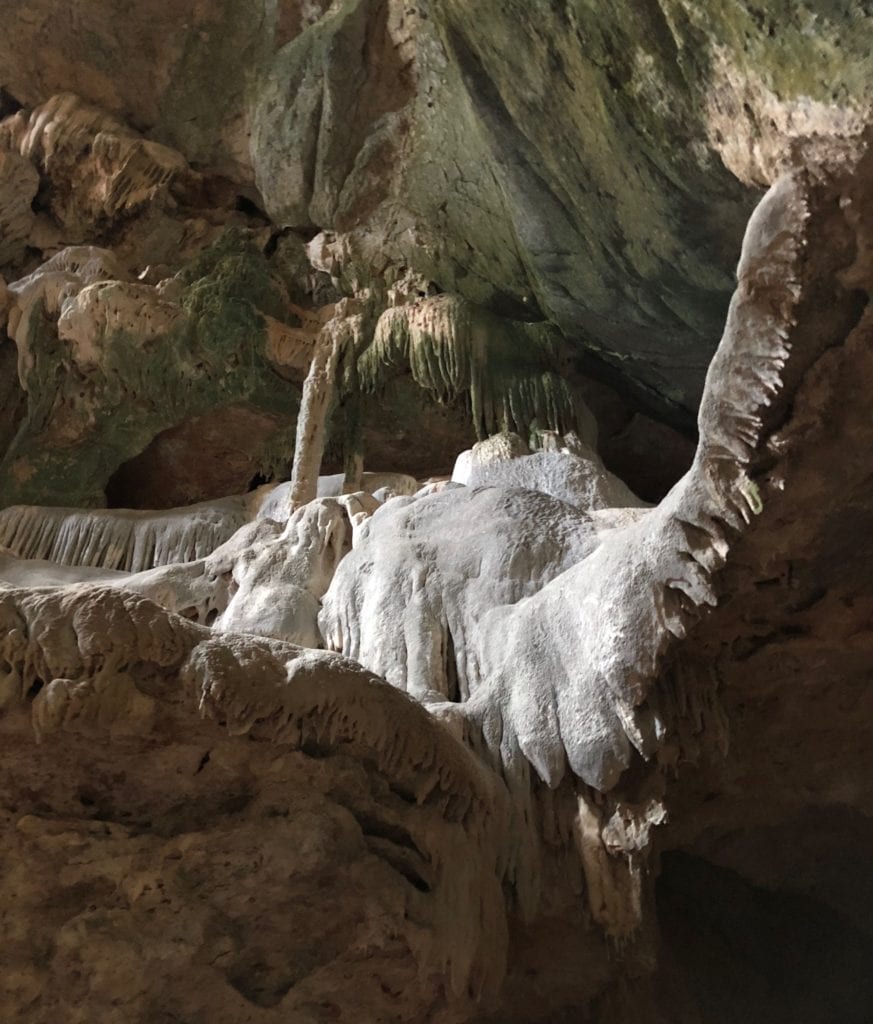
123 373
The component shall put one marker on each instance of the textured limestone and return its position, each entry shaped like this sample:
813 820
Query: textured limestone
407 599
172 273
509 371
497 448
96 168
122 539
614 764
577 479
418 830
601 182
164 83
332 822
102 357
19 182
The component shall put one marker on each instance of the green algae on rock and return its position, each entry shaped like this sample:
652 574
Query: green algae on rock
123 365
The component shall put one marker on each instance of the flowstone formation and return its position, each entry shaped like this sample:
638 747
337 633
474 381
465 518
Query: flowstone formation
378 641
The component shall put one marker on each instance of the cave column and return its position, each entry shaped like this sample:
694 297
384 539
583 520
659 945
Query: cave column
354 473
338 334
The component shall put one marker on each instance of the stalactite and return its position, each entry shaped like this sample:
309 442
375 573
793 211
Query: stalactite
120 538
509 371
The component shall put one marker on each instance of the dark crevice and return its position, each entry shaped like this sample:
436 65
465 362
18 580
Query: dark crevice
809 601
396 834
234 803
747 647
251 209
273 242
400 863
306 231
258 480
846 310
312 748
406 795
453 684
34 689
753 954
406 863
9 105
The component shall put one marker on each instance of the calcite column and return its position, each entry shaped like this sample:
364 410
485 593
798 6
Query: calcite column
337 334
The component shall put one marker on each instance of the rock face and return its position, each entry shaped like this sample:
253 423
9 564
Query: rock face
428 664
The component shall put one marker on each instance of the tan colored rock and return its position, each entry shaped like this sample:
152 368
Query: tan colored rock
208 866
99 168
217 826
5 302
48 288
178 70
290 349
114 312
19 182
759 135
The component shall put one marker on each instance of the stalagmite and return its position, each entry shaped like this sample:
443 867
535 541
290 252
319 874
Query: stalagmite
278 589
274 500
581 481
498 448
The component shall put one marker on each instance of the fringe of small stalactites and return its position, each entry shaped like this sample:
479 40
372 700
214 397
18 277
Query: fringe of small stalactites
508 370
65 127
120 538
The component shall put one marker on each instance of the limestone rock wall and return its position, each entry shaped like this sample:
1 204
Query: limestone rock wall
602 163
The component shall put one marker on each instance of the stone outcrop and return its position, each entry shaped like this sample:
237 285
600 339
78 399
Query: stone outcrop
168 352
